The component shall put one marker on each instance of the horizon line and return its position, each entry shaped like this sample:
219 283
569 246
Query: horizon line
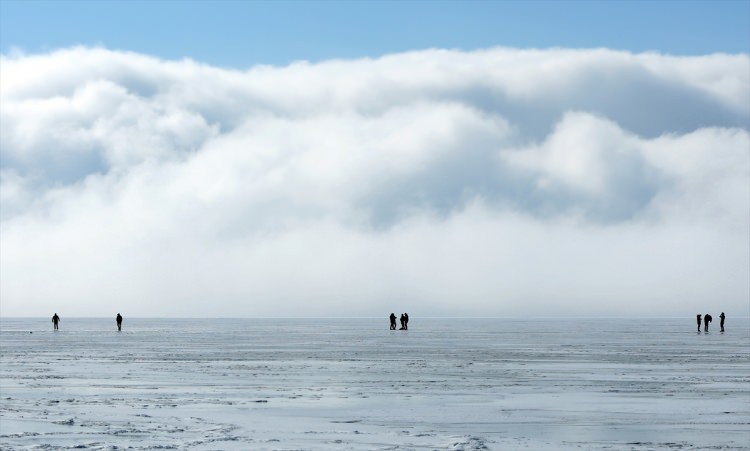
514 317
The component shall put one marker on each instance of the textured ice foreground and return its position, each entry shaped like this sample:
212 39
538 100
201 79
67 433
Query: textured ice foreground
353 384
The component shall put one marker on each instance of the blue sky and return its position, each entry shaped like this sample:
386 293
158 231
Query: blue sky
242 34
464 173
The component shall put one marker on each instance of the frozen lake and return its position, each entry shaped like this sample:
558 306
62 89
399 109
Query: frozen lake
354 384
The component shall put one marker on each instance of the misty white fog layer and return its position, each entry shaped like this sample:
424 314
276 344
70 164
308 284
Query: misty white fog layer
495 182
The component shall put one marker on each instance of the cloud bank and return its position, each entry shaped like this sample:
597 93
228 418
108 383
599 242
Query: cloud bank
496 182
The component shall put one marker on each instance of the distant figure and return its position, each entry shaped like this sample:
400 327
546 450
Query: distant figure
403 324
721 323
699 322
406 321
119 322
393 321
706 319
55 320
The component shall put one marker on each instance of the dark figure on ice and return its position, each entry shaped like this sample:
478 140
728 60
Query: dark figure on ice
699 322
706 319
55 320
119 322
404 321
393 321
721 323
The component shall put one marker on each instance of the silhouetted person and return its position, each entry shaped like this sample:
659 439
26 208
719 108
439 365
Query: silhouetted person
721 322
699 322
119 322
406 321
403 324
55 320
706 319
393 321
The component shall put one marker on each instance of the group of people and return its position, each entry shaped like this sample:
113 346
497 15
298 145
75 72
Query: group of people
404 321
707 319
56 321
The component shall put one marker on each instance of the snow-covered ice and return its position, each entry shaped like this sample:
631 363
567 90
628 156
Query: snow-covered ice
354 384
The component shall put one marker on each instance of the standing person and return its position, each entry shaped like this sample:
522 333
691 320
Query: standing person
406 321
699 322
119 322
403 326
706 319
721 323
393 321
55 320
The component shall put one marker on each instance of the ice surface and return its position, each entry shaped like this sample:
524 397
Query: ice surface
353 384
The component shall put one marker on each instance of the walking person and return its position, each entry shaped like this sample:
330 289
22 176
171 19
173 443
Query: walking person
721 322
406 321
55 320
699 322
393 321
706 319
119 322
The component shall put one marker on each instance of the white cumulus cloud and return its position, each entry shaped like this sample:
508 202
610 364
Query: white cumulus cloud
493 182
